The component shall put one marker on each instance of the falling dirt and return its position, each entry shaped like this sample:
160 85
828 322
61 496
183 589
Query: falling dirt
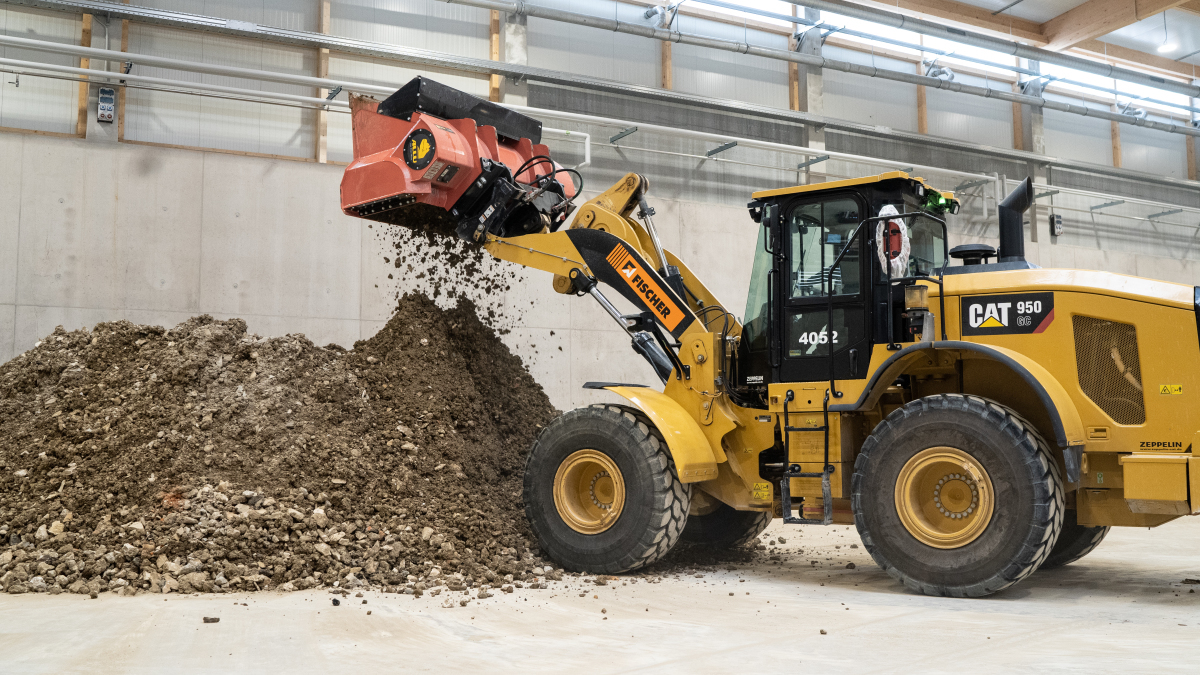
420 244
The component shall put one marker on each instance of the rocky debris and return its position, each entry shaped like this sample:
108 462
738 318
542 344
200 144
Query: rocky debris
212 619
206 459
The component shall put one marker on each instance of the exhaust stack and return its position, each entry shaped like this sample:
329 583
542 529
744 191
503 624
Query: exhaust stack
1012 226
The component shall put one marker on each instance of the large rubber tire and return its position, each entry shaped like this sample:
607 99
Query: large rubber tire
1074 542
1028 493
656 502
725 528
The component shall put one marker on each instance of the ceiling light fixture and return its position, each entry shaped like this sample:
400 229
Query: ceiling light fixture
1166 46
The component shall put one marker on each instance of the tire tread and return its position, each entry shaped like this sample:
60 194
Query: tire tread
671 498
1048 509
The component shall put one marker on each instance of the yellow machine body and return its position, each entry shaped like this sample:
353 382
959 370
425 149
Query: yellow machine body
1131 472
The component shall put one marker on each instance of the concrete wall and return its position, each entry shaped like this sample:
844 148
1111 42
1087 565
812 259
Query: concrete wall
98 231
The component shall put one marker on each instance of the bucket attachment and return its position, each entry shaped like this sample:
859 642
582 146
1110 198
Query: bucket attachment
478 163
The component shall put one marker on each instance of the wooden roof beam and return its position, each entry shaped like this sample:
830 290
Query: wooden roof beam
1095 18
1030 32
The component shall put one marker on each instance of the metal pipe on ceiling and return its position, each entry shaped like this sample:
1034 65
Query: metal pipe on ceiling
454 62
840 7
102 76
808 152
741 142
522 8
951 34
201 89
326 83
237 93
191 66
840 30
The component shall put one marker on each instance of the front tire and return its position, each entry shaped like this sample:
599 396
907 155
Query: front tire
957 496
601 491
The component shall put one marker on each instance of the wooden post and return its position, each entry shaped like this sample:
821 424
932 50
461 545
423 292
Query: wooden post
793 75
494 80
321 137
668 81
121 91
1018 123
85 40
1116 141
922 108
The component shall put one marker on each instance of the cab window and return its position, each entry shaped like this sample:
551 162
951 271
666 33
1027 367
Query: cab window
818 233
754 330
928 249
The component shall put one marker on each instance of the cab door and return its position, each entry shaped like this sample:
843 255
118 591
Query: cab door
815 232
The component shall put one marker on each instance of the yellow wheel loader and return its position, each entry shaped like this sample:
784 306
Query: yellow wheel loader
974 416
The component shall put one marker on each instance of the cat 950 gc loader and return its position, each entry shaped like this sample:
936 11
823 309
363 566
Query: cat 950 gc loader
975 420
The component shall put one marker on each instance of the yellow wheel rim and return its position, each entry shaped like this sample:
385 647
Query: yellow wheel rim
944 497
589 491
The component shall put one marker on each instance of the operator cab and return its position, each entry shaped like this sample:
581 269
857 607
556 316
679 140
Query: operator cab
818 298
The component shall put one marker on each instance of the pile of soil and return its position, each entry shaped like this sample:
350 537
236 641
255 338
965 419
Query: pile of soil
203 458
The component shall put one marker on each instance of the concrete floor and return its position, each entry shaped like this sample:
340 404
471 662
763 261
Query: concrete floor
1121 609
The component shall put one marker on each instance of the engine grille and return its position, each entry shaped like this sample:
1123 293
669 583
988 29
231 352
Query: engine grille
1110 371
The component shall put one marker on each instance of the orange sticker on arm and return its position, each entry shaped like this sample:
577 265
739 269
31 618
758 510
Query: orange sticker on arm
644 285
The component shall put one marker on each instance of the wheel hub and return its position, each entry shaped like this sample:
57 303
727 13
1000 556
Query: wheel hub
589 491
944 497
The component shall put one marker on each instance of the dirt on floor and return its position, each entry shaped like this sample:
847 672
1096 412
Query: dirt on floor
206 458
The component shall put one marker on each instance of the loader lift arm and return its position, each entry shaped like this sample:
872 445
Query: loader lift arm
481 168
606 246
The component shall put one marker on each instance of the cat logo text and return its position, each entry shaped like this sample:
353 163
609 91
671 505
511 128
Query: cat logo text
1019 313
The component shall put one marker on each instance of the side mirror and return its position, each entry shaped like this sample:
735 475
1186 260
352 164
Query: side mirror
770 219
770 214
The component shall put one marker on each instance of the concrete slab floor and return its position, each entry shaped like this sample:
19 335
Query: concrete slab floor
1123 608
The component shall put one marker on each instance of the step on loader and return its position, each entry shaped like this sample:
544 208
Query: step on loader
974 416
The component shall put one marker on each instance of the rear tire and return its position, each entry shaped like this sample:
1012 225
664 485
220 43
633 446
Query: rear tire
1074 542
725 527
619 445
1011 531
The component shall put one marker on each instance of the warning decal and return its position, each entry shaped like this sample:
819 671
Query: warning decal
1171 389
762 491
1012 314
